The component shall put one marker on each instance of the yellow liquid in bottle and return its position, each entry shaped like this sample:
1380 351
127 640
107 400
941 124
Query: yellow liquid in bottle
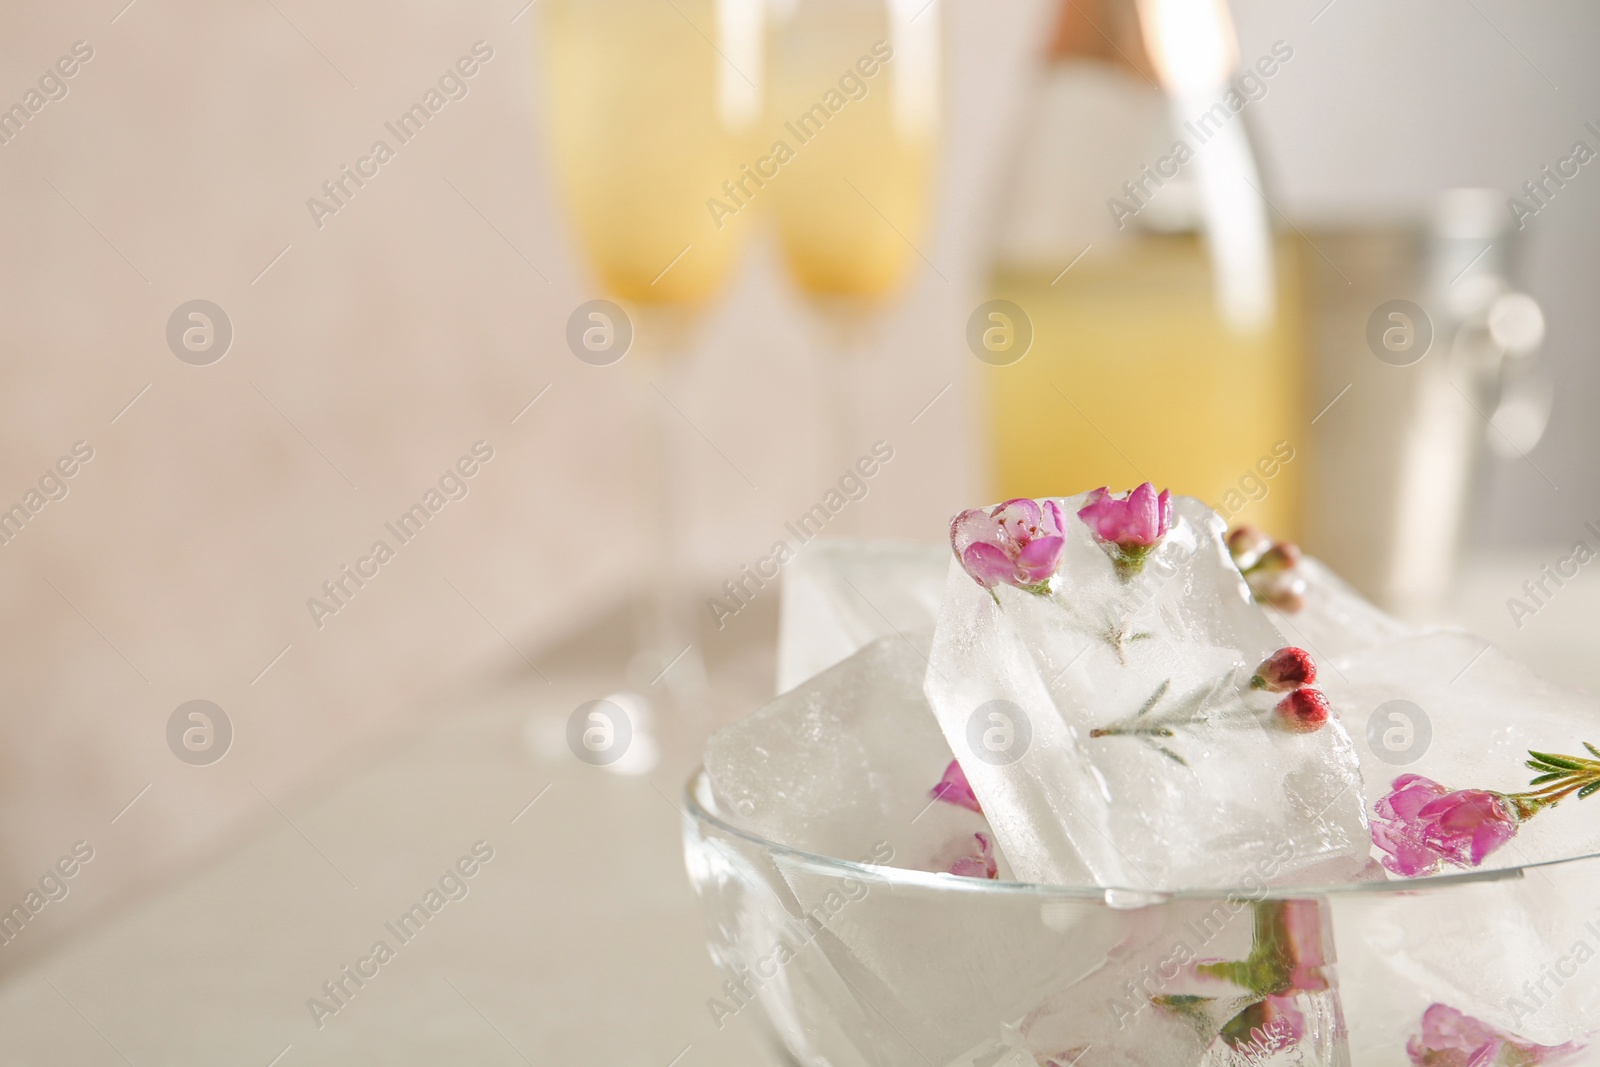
1134 376
852 201
640 143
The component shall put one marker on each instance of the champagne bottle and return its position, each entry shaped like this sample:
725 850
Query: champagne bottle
1134 237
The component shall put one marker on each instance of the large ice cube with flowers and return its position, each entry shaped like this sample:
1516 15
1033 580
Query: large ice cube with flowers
1126 712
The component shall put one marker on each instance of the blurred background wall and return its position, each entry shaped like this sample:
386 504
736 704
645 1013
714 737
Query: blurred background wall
372 352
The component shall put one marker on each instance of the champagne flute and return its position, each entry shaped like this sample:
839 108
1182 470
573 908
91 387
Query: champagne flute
854 88
650 110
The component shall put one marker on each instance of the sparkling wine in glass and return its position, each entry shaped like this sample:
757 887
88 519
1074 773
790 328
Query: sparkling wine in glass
651 109
853 89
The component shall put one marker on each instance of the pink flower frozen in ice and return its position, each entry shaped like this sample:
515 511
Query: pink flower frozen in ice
953 788
1451 1039
1016 543
1286 960
1247 545
1139 520
1265 1027
1286 956
1305 711
1271 568
1422 826
1300 923
1286 669
1129 526
981 865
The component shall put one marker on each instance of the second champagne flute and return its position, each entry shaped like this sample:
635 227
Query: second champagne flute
854 88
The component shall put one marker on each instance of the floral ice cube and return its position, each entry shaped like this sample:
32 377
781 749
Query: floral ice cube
1092 668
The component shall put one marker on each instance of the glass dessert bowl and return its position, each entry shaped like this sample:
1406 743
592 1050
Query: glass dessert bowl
1193 802
846 962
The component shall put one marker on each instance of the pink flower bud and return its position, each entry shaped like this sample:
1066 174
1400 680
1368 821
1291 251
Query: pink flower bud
953 788
1283 556
1304 711
1269 568
1246 544
1286 669
981 865
1264 1027
1283 589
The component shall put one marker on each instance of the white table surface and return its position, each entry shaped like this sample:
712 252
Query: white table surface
579 942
